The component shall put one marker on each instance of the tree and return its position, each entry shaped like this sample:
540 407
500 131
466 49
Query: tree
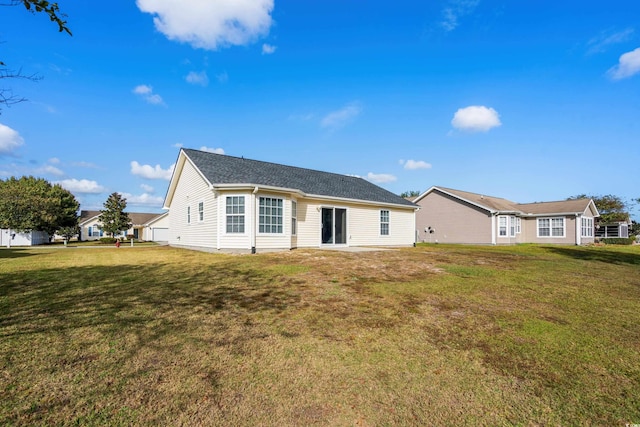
52 10
30 203
113 217
410 194
612 208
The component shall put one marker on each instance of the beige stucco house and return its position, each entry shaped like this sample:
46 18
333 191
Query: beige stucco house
453 216
219 202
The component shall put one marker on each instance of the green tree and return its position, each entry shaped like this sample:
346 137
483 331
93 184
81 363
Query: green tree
50 9
612 208
113 217
411 193
30 203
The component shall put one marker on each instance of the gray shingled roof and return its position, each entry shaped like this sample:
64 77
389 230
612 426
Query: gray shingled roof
223 169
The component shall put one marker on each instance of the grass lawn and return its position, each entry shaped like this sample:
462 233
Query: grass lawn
433 335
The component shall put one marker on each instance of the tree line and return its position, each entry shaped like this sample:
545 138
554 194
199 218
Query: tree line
29 203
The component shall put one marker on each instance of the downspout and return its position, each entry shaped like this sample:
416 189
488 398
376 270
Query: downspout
493 228
252 228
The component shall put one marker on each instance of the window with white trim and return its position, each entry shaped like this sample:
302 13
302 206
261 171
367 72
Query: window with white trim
200 211
502 226
518 225
294 217
384 222
551 227
512 226
586 227
270 215
188 214
235 214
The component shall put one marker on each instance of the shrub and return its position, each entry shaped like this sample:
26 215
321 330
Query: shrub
108 240
617 241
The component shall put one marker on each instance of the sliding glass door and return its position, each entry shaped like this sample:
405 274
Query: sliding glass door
334 226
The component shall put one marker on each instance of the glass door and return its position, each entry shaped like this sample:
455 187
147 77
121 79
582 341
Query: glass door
334 226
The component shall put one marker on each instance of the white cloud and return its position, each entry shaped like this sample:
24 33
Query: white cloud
151 172
200 78
455 10
268 49
212 150
10 140
147 188
628 65
146 92
51 170
54 161
210 24
339 118
144 199
476 118
380 177
178 145
81 186
416 164
598 44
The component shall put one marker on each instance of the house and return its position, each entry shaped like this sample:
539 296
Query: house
453 216
220 202
91 227
156 229
10 238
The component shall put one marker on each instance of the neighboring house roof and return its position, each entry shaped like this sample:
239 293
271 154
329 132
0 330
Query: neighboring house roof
500 205
156 218
137 218
219 169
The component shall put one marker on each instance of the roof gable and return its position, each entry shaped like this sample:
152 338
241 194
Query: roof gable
220 170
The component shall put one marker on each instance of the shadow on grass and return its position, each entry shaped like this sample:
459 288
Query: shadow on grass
129 296
596 254
15 253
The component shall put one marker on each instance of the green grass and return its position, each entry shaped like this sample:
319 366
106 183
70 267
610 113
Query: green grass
433 335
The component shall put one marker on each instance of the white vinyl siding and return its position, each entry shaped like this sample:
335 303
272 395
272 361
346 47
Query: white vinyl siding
586 227
551 227
235 209
191 188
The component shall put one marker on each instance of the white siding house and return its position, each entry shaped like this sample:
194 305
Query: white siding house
219 202
10 238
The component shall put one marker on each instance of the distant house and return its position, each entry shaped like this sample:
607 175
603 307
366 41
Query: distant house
453 216
606 230
30 238
91 227
220 202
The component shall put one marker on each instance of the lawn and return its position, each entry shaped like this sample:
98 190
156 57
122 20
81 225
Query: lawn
433 335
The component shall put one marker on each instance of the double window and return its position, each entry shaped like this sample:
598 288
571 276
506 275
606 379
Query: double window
235 214
586 227
551 227
509 226
384 222
270 217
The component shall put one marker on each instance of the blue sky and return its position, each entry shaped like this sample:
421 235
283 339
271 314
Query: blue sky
526 100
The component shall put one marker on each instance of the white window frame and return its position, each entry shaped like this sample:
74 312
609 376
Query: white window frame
586 227
188 214
385 222
270 217
551 227
201 211
294 218
518 225
503 226
238 212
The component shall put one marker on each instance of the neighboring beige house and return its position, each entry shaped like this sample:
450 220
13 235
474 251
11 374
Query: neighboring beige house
91 227
219 202
453 216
